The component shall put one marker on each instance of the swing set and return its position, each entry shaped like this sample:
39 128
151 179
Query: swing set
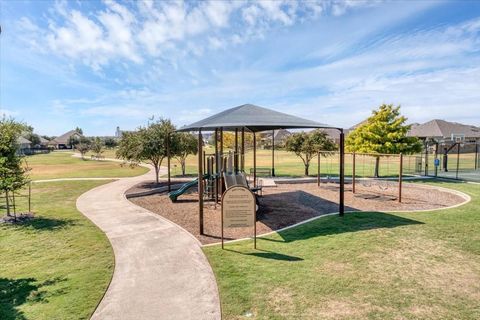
377 172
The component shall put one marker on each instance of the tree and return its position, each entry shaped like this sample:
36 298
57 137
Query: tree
83 146
73 141
183 144
307 145
147 144
97 147
79 130
383 132
110 143
13 175
229 139
33 138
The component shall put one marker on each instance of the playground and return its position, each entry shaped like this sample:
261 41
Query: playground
288 204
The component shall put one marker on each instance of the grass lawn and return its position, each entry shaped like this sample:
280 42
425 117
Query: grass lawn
58 265
423 265
63 165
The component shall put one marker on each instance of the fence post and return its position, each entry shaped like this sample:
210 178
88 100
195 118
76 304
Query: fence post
458 160
476 156
353 172
318 169
400 179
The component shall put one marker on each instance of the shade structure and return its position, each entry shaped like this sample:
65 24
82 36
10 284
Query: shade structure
253 118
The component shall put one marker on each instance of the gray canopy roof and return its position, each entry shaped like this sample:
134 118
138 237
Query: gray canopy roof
253 118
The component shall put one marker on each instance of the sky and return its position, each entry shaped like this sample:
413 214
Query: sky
102 64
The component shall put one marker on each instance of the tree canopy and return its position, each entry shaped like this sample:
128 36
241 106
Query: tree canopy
146 144
13 175
384 131
183 144
307 145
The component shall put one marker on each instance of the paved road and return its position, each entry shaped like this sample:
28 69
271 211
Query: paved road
160 269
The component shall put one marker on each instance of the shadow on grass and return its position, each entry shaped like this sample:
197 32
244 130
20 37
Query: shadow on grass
269 255
16 292
351 222
44 224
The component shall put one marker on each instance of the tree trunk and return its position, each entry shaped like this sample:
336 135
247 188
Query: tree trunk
377 167
307 165
156 173
182 163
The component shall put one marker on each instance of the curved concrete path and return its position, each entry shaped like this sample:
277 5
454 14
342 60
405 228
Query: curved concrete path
160 269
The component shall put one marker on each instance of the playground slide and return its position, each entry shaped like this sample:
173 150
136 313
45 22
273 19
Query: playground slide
175 194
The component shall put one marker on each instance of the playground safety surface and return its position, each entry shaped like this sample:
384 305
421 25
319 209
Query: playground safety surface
288 204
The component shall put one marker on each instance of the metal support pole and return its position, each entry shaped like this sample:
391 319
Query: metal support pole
243 150
426 159
353 172
458 159
476 156
216 166
318 169
168 161
254 160
342 173
273 153
400 179
235 157
436 157
200 181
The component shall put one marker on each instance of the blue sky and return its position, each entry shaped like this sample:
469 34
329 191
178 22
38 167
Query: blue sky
101 64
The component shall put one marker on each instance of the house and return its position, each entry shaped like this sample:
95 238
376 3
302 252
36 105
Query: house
44 142
24 145
63 141
445 132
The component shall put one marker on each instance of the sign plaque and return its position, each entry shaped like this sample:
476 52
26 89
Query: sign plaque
238 209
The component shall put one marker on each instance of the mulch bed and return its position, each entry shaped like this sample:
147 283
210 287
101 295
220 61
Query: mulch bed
288 204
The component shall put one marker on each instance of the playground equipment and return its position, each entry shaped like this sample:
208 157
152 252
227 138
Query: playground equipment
377 171
175 194
253 119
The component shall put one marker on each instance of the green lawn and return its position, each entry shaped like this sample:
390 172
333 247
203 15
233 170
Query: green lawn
63 165
423 265
59 265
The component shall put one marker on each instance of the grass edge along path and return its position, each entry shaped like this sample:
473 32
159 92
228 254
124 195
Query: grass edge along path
366 265
59 265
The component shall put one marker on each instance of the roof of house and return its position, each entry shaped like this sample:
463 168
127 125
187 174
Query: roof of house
444 129
253 118
43 140
63 139
22 140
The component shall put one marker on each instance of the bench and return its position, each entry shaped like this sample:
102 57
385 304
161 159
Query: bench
267 172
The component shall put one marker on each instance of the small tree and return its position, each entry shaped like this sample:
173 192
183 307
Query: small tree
83 146
97 147
110 143
383 132
183 144
229 139
13 176
147 144
307 145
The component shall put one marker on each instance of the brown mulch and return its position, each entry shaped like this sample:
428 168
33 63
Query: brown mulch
288 204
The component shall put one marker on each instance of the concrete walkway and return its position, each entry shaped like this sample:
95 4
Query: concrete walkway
160 269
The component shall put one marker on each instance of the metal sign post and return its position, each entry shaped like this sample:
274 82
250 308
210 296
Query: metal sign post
239 210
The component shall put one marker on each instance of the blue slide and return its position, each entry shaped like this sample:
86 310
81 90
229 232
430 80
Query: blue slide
175 194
